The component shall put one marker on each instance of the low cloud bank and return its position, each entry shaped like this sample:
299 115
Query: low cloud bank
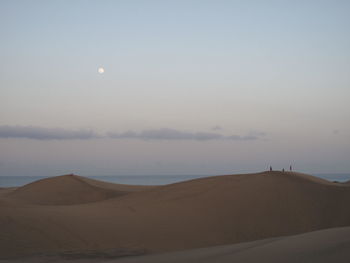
172 134
39 133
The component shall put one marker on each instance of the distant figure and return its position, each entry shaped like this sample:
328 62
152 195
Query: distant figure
290 168
283 170
270 168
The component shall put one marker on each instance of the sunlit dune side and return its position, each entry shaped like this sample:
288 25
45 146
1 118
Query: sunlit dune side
198 213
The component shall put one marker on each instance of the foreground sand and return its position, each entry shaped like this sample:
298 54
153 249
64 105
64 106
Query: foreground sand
322 246
76 216
330 245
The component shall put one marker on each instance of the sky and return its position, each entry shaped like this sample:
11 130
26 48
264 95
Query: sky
189 87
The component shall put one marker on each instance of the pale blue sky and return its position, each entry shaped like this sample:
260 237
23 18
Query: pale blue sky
275 74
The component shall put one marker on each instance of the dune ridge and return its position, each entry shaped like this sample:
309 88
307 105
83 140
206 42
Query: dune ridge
198 213
70 189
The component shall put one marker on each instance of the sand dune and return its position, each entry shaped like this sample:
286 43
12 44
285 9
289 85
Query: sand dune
70 189
203 212
347 182
322 246
330 245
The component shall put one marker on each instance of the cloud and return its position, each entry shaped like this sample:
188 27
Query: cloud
172 134
216 128
257 133
336 132
39 133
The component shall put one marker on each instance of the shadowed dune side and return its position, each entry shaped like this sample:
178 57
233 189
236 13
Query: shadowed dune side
347 182
203 212
70 189
6 190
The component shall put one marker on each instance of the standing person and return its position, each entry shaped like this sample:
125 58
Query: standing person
290 167
270 168
283 170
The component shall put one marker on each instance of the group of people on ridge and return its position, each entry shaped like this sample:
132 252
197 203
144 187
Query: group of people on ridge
290 168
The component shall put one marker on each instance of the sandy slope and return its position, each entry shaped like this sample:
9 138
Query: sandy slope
347 182
330 245
70 189
322 246
198 213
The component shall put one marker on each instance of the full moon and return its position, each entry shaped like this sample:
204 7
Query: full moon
101 70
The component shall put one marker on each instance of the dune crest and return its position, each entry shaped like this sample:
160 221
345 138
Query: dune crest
70 189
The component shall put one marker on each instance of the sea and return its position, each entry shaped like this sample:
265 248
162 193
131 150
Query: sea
15 181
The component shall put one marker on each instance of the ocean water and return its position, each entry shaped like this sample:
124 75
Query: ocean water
14 181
